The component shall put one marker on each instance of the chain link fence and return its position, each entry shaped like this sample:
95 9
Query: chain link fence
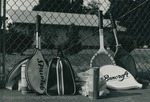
73 26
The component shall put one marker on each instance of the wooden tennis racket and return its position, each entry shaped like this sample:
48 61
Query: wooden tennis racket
36 71
122 57
102 57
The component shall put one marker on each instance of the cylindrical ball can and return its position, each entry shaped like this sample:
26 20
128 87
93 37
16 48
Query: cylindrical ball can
93 81
24 85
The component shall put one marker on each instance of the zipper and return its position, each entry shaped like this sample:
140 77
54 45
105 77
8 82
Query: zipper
60 81
62 78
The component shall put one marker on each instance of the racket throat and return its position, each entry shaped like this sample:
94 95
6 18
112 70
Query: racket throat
115 35
101 38
38 41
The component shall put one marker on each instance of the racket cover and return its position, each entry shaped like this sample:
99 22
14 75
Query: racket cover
15 74
119 78
125 60
36 72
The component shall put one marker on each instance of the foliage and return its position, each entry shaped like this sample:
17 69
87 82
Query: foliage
128 12
59 6
127 42
48 37
16 41
92 6
134 17
72 45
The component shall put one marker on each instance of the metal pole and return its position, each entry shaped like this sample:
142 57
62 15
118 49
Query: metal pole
1 40
0 24
4 32
2 61
0 7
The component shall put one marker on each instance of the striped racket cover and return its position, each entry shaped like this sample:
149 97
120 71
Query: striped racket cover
60 77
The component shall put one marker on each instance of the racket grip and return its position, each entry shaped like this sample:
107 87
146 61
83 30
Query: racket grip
114 27
38 31
38 24
112 21
100 19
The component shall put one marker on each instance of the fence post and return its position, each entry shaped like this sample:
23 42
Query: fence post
2 32
0 42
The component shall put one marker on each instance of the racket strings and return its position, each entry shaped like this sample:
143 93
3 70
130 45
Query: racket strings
100 60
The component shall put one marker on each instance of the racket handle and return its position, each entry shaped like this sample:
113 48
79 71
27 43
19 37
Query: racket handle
114 27
112 21
38 31
100 19
38 24
100 25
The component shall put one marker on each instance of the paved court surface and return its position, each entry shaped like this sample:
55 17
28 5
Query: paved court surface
138 95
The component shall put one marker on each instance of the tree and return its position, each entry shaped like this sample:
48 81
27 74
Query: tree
73 44
59 6
128 12
16 41
92 6
134 17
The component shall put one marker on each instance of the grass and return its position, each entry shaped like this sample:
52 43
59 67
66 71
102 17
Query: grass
80 62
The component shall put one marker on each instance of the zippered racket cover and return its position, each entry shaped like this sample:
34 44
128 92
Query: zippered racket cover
15 74
60 77
36 72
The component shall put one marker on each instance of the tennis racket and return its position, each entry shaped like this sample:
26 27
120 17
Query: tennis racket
122 57
36 71
101 57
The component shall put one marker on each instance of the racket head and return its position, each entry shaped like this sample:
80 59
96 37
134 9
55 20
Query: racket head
101 58
125 60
